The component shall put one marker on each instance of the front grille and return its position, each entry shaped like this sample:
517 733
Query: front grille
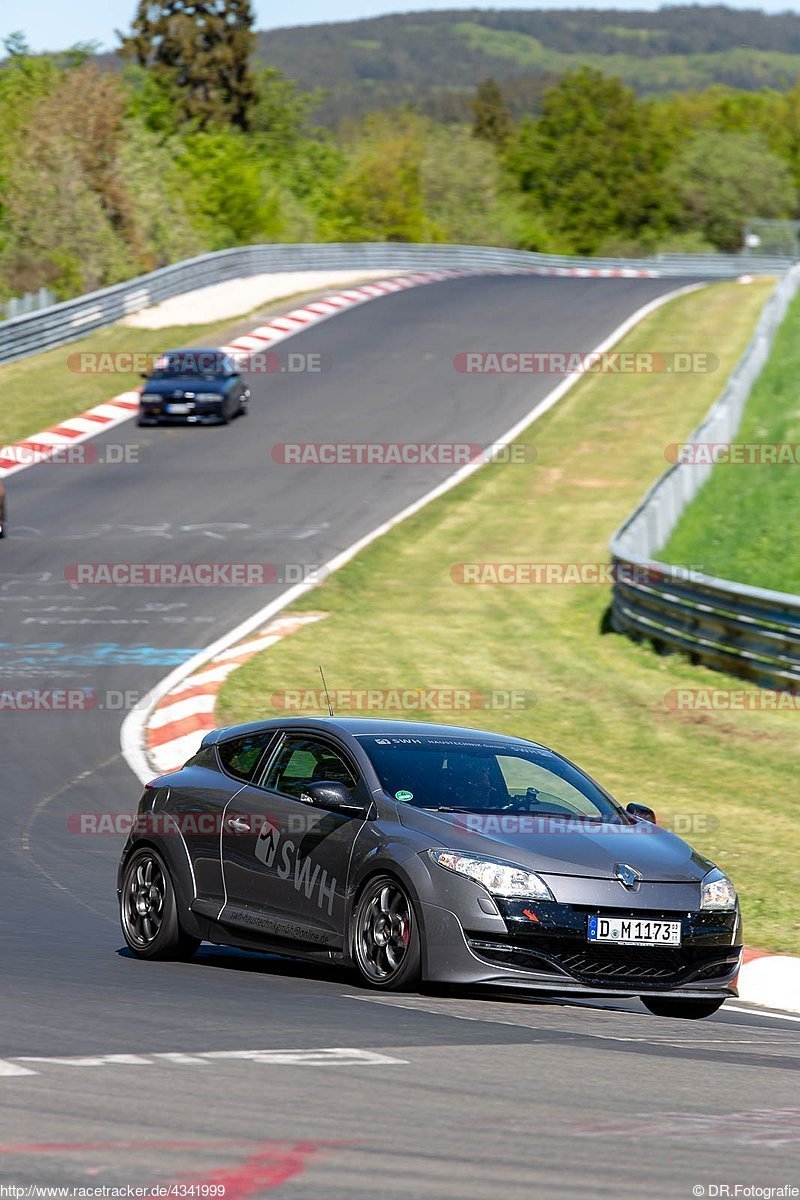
644 966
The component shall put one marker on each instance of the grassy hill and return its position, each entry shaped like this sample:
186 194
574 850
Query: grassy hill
435 59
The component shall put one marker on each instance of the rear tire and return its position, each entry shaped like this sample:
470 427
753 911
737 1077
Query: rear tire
387 944
686 1010
149 911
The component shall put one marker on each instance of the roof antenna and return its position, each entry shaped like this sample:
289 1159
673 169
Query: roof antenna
327 693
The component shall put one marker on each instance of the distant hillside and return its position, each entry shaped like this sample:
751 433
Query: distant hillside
435 59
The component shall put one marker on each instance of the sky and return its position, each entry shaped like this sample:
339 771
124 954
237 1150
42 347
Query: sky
56 24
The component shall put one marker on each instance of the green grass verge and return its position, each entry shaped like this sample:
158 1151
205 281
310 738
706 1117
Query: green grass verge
396 619
743 525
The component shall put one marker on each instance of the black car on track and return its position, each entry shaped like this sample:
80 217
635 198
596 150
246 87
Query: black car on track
419 852
193 387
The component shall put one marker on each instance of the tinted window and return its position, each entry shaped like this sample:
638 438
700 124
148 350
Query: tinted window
301 761
481 776
240 756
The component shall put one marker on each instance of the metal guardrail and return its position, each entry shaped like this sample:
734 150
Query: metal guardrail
747 631
19 306
73 319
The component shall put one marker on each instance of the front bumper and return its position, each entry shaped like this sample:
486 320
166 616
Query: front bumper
198 413
554 955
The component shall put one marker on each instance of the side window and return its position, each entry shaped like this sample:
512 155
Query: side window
240 756
301 761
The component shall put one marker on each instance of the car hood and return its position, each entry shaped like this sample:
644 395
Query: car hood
166 387
561 847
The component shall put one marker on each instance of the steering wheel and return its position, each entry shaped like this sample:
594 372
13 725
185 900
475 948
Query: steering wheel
520 803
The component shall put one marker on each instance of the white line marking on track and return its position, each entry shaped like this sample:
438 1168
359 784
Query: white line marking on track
655 1039
94 1060
760 1012
183 1060
8 1068
336 1056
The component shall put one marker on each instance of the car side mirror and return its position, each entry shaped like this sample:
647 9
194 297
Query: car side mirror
333 797
642 812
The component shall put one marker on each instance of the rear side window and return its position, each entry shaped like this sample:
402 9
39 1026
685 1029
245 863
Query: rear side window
240 756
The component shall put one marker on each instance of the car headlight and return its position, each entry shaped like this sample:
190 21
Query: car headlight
717 891
209 397
499 878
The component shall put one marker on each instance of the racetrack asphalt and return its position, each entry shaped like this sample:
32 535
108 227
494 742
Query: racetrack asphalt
490 1095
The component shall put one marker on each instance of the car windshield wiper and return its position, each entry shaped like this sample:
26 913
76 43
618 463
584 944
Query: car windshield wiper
444 808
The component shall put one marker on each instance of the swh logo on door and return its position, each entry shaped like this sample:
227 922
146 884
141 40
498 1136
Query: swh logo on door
290 864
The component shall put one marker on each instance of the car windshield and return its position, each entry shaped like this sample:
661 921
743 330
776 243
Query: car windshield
193 364
465 775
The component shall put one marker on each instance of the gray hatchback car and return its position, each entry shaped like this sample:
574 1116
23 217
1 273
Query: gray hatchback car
417 852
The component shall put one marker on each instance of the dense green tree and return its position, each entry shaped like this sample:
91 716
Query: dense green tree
492 122
466 194
724 178
80 232
158 203
379 196
24 80
281 116
233 201
201 50
595 162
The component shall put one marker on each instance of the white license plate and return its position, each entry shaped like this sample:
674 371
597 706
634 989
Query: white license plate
625 932
178 410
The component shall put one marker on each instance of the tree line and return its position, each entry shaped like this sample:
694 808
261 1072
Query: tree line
191 147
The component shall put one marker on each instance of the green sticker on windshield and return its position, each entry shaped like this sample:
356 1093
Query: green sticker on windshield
404 797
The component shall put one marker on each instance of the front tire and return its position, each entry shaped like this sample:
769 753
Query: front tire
149 911
686 1010
387 945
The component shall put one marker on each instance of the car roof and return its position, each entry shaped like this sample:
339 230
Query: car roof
365 727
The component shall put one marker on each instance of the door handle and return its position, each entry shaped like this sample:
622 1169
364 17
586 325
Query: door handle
239 825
